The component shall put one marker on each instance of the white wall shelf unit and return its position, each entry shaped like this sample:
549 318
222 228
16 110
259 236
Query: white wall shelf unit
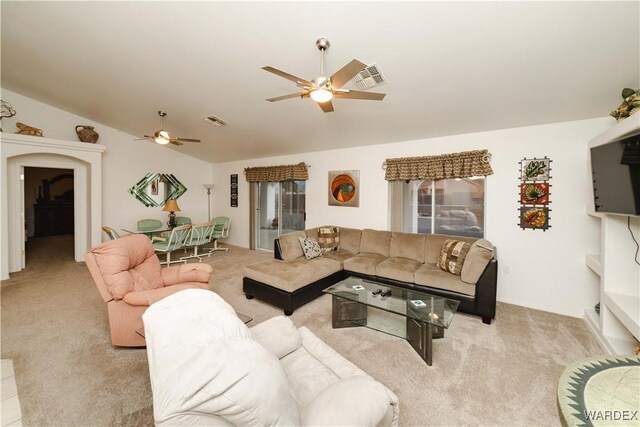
617 326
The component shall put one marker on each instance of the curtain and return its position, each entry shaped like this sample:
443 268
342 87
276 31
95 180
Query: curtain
296 172
252 214
453 165
396 205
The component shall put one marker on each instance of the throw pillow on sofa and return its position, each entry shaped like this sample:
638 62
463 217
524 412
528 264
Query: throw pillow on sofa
329 238
310 248
452 256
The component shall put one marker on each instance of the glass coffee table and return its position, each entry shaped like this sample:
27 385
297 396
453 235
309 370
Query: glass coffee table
415 316
245 319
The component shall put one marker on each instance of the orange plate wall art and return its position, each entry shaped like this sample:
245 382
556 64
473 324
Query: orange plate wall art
344 188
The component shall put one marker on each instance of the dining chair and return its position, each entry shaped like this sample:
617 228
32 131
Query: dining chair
183 220
174 241
113 234
199 235
149 224
221 226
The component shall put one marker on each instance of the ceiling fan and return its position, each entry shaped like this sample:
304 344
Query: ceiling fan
323 89
162 136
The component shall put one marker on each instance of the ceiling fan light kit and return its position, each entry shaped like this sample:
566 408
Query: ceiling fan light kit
321 95
323 89
162 137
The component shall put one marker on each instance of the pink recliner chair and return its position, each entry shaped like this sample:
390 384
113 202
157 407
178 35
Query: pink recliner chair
128 275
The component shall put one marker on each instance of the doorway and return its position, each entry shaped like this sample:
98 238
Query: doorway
48 210
280 210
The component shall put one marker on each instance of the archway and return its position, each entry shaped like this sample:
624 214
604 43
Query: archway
26 151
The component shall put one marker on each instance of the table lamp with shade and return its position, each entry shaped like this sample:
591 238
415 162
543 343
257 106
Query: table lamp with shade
208 187
172 207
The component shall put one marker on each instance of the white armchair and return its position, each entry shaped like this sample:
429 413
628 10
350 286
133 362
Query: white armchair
207 368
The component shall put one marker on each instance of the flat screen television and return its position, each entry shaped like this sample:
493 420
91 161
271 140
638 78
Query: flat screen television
616 176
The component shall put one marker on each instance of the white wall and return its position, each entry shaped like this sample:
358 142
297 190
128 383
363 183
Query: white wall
544 270
124 162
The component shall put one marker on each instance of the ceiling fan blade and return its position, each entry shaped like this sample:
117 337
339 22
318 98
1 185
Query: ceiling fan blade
185 140
346 73
358 94
288 76
327 107
143 139
293 95
174 142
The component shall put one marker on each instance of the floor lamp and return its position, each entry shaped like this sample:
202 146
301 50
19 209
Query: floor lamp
208 187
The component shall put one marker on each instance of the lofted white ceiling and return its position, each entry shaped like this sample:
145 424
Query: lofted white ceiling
452 67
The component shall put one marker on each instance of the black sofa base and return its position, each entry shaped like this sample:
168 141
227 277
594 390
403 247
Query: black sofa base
288 301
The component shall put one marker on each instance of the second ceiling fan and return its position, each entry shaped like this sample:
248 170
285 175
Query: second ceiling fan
162 136
323 89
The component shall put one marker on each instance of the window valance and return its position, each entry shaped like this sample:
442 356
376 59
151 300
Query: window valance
277 173
453 165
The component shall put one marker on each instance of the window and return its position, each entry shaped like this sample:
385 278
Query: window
280 210
444 206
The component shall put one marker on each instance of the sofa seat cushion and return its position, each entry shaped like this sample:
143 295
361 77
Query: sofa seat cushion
307 376
291 275
398 269
431 275
340 255
364 263
314 367
355 401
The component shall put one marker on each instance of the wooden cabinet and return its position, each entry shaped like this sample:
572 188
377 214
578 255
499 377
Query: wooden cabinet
53 218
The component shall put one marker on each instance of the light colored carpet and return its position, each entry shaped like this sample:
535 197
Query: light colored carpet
55 328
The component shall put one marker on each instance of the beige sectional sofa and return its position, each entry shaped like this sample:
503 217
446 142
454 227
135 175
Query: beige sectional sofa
407 260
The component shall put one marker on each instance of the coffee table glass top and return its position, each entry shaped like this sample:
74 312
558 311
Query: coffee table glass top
436 310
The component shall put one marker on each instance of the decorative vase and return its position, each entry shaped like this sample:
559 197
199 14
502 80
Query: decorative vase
87 134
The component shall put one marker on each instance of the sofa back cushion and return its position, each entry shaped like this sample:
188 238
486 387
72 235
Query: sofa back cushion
126 264
375 241
290 245
479 255
434 244
407 245
350 239
205 367
312 233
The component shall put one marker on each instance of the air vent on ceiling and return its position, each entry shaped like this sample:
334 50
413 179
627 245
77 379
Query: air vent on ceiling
369 77
216 121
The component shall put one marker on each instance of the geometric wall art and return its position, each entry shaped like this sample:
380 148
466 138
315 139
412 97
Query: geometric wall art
534 193
344 188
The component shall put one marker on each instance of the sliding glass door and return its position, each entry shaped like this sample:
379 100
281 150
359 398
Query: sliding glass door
280 209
